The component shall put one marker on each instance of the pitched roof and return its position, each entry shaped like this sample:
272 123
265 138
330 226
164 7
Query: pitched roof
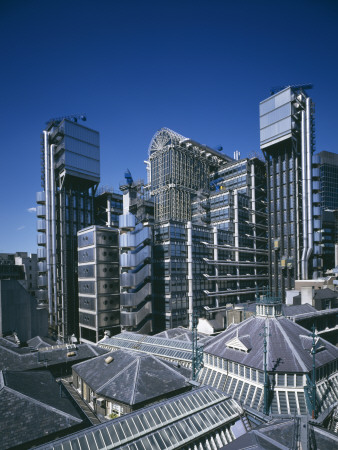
325 294
34 399
285 345
39 342
132 377
19 359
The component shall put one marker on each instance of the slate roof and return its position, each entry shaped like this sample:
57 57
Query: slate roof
19 359
31 408
323 294
132 377
294 310
40 342
288 345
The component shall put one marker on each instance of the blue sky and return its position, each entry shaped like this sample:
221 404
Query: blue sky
198 67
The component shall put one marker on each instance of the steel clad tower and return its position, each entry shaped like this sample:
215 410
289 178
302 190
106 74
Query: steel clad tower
287 141
70 160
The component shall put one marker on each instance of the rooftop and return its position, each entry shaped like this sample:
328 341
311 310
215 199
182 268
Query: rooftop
132 377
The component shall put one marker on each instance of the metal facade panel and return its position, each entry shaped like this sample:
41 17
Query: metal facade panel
85 239
87 319
108 286
86 255
87 271
88 303
80 132
107 238
109 255
108 318
108 302
86 287
108 270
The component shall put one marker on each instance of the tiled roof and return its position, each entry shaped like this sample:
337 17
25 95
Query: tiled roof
285 349
132 377
18 359
31 407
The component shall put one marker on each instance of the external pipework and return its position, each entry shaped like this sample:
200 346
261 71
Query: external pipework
309 179
236 235
189 261
215 233
304 198
53 229
48 227
253 211
108 211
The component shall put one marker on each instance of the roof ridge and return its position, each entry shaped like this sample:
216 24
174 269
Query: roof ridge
115 376
43 405
169 367
294 351
133 395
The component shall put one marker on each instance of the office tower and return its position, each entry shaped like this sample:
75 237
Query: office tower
107 207
209 243
99 284
287 141
179 168
70 159
328 173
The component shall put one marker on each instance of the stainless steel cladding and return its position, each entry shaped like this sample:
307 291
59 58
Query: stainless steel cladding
276 122
78 153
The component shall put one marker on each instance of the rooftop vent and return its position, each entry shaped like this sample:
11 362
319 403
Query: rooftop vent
109 360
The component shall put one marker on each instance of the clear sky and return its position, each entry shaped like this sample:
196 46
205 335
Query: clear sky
199 67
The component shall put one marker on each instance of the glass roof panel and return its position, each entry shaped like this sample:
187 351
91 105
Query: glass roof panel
106 436
98 439
148 416
91 441
138 423
83 443
75 444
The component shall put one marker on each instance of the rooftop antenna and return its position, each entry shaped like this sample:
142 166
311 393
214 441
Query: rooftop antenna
72 117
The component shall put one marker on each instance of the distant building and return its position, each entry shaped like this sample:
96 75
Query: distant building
328 170
70 163
20 266
19 312
107 207
99 283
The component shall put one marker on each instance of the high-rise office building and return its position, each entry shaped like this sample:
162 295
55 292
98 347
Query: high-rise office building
209 243
328 172
70 160
294 220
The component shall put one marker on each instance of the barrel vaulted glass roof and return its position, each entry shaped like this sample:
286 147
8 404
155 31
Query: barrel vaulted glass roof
168 424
